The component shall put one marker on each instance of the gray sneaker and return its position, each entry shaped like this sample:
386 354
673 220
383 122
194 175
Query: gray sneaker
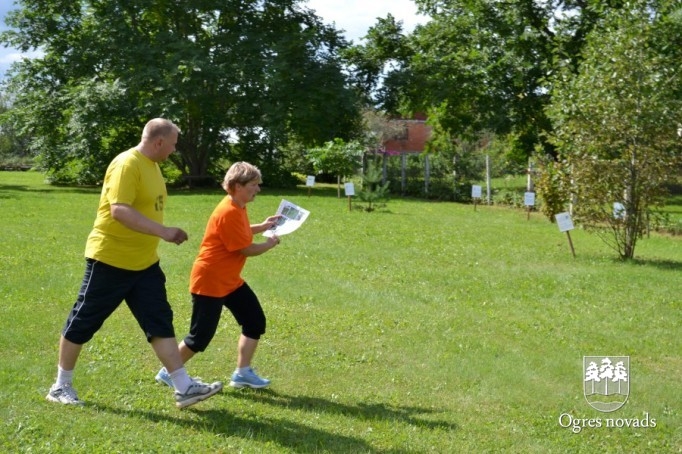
64 394
197 392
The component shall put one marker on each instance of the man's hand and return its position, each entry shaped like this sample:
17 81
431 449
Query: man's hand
134 220
174 235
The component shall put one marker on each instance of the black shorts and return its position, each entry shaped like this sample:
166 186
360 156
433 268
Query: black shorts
105 287
206 310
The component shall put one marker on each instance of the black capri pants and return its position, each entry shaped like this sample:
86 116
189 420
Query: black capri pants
206 311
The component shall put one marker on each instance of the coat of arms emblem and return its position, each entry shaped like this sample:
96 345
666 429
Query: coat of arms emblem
606 381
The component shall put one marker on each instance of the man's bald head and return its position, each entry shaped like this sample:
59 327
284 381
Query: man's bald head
158 127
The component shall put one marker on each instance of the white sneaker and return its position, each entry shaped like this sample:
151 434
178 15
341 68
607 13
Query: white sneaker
64 394
197 392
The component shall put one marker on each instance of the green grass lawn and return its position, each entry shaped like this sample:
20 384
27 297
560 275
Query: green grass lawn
423 327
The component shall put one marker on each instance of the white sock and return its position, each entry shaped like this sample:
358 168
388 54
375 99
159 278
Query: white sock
243 370
64 377
181 380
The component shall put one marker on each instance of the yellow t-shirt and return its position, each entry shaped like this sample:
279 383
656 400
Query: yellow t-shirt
135 180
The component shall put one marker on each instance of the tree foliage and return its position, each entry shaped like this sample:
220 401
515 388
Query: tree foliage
13 152
479 65
374 190
616 121
378 127
337 157
551 184
240 77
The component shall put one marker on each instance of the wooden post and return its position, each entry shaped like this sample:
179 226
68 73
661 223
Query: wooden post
529 201
488 180
570 242
475 194
565 224
529 172
403 172
310 182
427 173
350 191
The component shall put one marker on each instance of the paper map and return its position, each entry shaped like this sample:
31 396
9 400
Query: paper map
292 216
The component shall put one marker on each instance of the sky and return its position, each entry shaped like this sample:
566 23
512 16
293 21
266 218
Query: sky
353 16
357 16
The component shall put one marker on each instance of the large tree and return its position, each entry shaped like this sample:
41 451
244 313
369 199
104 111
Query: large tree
617 121
478 66
240 77
12 149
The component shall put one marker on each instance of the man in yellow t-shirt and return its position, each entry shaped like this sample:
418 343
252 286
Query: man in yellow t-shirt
122 264
216 279
134 180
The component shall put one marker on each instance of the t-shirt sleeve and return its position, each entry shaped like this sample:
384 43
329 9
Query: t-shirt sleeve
122 185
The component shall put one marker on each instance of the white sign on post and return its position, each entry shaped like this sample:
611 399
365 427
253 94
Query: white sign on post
475 192
310 181
350 189
564 222
529 199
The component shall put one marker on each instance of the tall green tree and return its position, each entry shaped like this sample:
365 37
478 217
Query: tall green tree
617 121
13 149
478 65
240 77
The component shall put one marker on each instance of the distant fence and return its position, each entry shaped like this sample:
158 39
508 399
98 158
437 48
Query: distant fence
420 175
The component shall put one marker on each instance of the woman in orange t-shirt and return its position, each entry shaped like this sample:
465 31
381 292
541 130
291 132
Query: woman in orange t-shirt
216 279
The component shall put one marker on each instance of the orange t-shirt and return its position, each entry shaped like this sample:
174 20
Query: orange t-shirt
217 269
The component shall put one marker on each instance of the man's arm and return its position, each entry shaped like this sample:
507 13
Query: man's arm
134 220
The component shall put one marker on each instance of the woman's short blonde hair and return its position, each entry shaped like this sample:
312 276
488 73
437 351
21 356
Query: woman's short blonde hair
240 173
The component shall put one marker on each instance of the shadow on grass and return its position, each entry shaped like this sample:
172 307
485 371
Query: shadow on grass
373 411
285 433
671 265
